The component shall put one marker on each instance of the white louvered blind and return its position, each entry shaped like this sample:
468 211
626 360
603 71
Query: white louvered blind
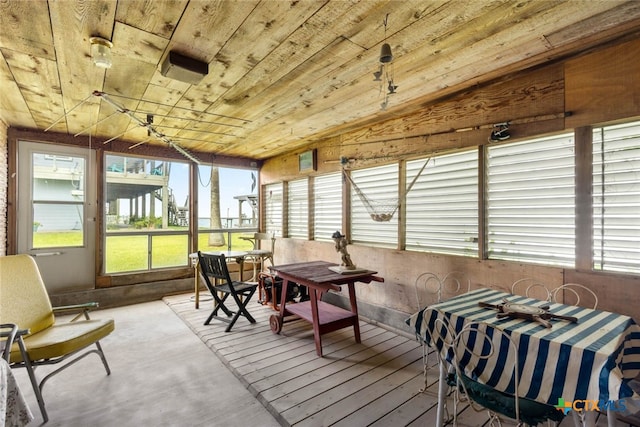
273 208
531 201
327 206
442 205
379 184
616 198
298 209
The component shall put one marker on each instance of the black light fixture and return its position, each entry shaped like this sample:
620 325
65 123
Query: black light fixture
500 132
179 67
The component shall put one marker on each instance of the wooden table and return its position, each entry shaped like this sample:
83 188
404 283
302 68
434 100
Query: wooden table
318 279
238 256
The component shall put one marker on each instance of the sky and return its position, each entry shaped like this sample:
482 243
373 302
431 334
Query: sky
233 182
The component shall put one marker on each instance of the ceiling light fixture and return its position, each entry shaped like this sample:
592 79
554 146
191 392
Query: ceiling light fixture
101 52
179 67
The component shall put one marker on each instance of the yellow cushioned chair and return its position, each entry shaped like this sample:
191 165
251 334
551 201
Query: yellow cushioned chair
41 340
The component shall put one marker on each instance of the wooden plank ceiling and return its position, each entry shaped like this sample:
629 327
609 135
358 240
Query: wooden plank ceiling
282 74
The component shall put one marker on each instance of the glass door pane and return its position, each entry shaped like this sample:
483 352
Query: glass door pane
58 200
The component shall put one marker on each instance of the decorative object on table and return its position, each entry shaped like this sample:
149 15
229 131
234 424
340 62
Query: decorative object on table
347 266
540 314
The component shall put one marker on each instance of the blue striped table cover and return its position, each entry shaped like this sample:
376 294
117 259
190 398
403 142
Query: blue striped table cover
593 359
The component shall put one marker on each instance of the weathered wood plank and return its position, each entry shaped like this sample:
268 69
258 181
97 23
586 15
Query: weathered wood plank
408 411
444 72
337 358
295 73
277 359
597 91
343 383
374 401
39 85
74 22
374 383
26 27
152 16
13 107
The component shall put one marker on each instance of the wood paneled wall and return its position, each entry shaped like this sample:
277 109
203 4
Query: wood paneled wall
4 185
595 88
603 86
534 100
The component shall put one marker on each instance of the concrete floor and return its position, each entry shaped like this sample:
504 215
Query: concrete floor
162 375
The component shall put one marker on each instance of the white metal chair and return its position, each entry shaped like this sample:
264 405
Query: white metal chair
258 254
454 283
441 340
429 284
571 293
477 354
531 288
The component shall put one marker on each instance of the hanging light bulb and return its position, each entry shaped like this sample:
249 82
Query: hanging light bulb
101 52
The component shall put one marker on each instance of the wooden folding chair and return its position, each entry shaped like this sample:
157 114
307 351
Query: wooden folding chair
217 279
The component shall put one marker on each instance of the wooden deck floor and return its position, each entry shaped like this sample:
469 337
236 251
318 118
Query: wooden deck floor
374 383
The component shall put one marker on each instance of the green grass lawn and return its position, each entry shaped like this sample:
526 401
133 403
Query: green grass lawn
130 253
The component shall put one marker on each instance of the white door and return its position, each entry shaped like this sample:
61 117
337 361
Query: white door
57 213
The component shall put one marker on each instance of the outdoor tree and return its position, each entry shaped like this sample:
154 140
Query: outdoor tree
215 239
